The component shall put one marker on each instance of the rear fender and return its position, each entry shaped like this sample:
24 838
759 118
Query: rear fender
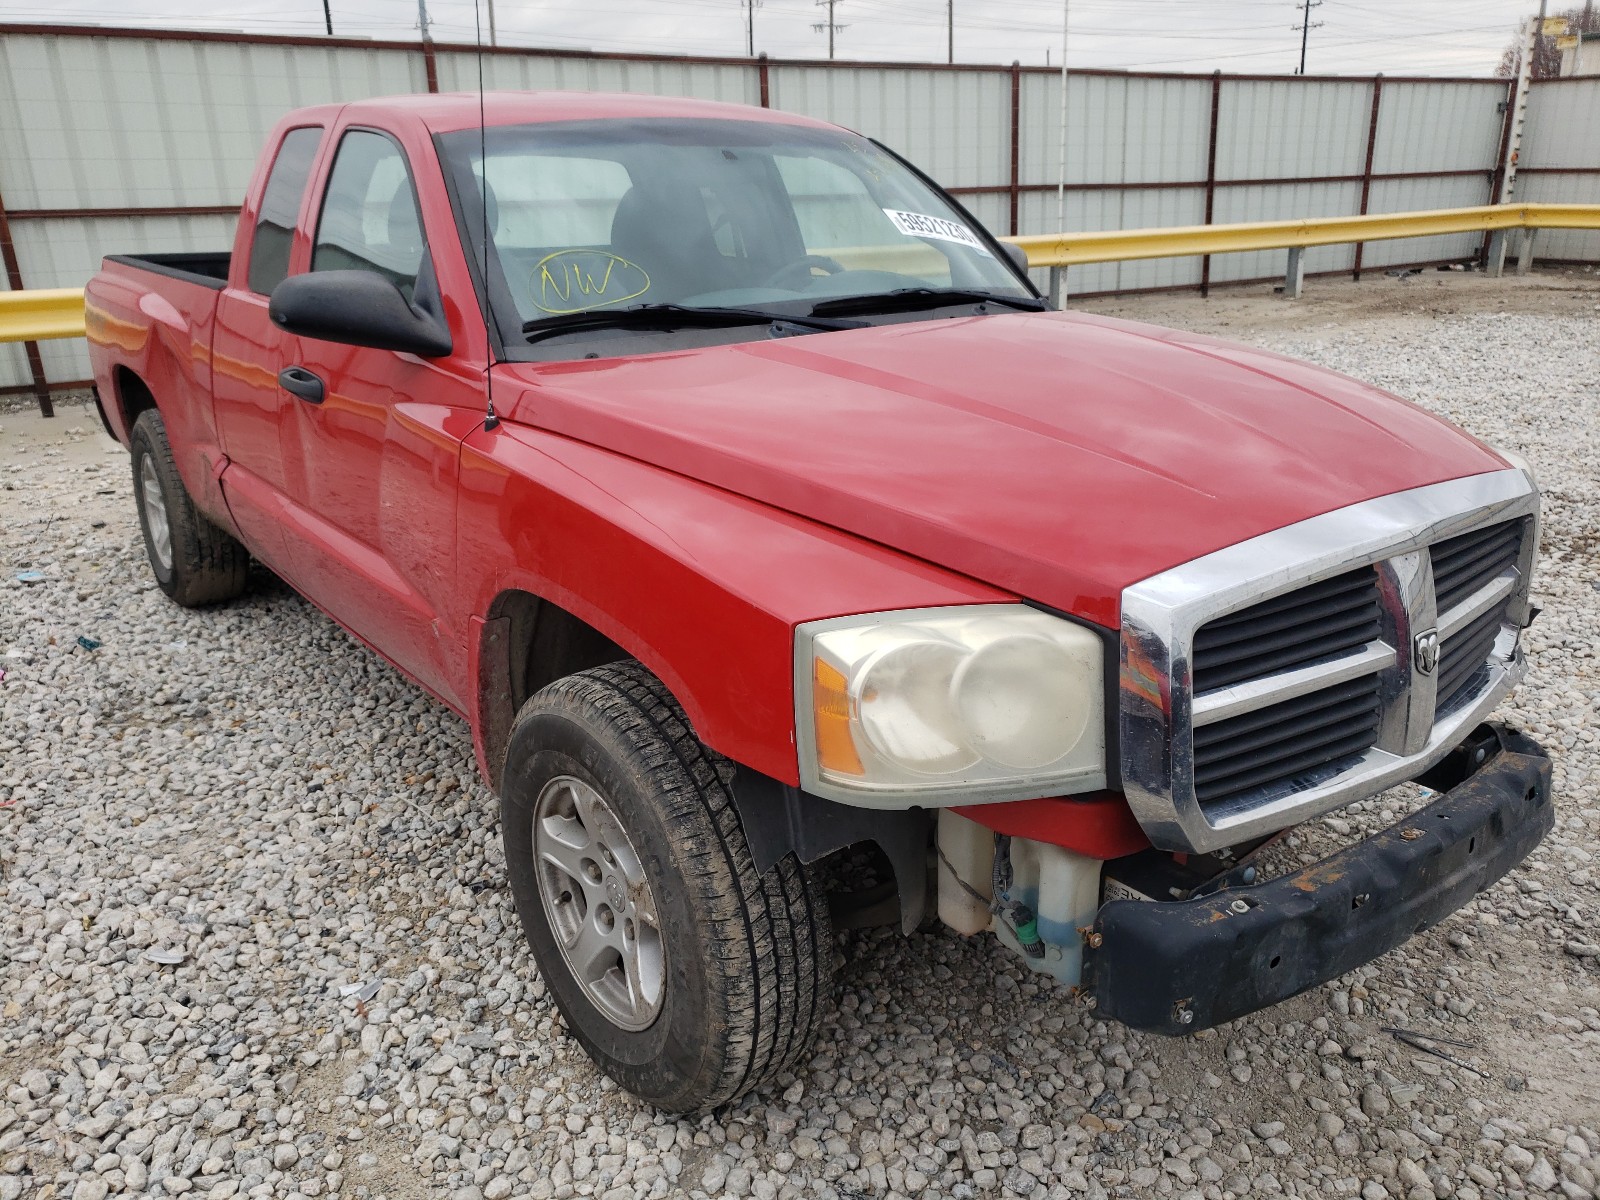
163 342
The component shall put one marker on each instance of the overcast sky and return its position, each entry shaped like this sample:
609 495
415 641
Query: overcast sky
1354 37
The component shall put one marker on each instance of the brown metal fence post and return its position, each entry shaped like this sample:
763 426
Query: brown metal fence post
8 252
429 65
1211 177
1366 171
1016 142
766 80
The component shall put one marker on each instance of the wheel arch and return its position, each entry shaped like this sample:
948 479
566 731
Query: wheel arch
524 642
131 396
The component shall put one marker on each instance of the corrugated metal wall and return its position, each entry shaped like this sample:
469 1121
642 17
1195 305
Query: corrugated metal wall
99 123
103 135
1560 160
1137 149
458 72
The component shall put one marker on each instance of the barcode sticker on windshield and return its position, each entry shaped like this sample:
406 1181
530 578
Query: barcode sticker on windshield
921 225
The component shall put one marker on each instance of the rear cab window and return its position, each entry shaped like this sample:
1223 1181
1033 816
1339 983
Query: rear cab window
280 208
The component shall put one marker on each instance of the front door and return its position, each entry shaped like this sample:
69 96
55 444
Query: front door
372 482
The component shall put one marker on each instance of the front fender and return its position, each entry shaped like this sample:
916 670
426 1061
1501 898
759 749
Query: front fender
702 586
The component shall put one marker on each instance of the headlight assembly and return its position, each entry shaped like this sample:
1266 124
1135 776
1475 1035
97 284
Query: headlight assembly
949 706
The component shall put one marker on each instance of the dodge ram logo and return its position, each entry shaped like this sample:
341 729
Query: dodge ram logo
1427 651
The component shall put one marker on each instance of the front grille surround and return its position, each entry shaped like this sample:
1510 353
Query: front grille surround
1396 537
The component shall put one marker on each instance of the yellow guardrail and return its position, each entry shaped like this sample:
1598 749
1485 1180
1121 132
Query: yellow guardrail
31 316
1115 245
34 316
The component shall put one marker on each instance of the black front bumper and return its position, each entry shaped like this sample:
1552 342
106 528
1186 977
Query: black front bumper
1178 967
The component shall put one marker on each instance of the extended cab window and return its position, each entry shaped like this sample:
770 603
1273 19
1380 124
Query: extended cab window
280 209
369 216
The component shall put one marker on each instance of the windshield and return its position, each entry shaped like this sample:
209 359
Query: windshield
595 215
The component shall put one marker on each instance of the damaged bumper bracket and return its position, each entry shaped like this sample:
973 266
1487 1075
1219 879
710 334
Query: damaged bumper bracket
1178 967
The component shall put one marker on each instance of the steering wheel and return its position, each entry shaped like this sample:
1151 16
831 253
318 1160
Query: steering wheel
784 276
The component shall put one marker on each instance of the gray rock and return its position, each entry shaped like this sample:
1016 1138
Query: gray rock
249 784
1517 1158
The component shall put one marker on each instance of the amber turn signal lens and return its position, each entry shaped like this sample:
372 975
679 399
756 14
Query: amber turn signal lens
836 748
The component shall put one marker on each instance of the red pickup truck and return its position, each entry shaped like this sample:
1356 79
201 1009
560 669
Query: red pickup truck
741 492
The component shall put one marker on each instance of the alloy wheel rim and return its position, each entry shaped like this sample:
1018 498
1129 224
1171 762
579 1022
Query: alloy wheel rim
598 902
155 513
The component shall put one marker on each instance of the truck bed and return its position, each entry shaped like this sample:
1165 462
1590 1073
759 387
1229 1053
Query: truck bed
207 268
150 320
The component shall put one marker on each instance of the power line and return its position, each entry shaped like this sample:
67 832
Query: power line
1132 43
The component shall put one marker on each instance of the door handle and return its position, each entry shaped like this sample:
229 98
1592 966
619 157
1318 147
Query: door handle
302 383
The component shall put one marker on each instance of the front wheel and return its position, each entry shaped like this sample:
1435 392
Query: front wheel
688 977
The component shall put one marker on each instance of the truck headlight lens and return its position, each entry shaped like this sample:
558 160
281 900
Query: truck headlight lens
903 702
949 706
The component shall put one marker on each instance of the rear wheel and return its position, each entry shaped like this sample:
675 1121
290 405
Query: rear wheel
688 977
194 561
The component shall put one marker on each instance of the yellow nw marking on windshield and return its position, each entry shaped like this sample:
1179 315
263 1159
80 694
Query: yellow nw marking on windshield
566 275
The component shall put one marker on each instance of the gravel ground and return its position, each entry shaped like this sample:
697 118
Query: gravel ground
215 825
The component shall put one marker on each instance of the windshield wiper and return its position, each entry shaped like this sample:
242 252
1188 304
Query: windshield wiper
914 299
672 316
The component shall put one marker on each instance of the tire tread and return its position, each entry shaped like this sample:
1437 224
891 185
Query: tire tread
774 939
209 564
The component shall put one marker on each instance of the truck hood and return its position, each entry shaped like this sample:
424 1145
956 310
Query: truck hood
1059 456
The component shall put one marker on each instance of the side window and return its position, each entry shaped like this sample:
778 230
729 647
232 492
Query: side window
280 209
369 216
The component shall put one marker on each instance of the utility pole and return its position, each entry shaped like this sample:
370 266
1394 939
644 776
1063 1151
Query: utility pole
422 19
830 25
492 40
327 16
1538 34
1305 27
1058 275
950 30
750 27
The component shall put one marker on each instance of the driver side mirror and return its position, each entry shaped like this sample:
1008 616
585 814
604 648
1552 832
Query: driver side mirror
1017 255
356 308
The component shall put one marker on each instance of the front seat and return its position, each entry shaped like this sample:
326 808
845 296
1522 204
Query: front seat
665 231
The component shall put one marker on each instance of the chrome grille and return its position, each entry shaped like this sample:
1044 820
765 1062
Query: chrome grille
1316 732
1315 624
1312 623
1282 677
1463 564
1463 568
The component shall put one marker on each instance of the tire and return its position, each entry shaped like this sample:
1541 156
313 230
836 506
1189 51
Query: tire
746 959
197 563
